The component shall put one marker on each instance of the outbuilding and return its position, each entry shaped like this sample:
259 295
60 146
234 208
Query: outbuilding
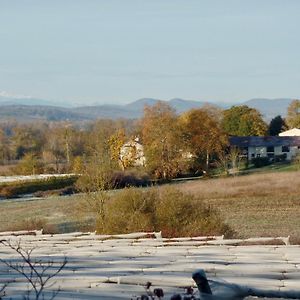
286 147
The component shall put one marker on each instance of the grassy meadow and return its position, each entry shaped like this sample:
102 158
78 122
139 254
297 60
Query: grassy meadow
55 214
264 204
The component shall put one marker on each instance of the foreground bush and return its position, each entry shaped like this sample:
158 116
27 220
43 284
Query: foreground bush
259 162
129 210
160 209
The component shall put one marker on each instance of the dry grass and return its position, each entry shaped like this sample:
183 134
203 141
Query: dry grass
7 170
255 205
55 214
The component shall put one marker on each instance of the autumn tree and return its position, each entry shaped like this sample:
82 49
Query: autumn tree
77 165
54 150
27 139
116 141
203 135
29 165
293 114
276 126
64 143
97 176
98 170
4 147
243 121
161 140
213 111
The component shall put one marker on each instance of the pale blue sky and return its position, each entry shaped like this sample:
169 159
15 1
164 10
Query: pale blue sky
117 51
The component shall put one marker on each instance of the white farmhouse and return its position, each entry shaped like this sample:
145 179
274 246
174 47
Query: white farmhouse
132 154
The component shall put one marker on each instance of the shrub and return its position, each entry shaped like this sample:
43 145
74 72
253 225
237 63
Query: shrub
130 179
111 179
260 161
280 157
160 209
29 165
9 190
296 161
128 211
181 214
32 223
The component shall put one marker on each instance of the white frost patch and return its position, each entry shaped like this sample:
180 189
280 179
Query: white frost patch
117 267
9 179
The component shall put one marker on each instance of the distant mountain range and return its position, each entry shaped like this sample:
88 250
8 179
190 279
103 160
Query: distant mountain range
31 109
23 100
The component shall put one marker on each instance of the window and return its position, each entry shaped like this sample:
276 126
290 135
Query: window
285 149
244 150
270 149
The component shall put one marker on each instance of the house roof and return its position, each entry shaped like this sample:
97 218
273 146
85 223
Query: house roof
264 141
291 132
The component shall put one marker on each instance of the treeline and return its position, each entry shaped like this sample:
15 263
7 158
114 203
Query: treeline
57 147
173 144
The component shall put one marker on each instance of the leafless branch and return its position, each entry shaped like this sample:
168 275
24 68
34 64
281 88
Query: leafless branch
37 273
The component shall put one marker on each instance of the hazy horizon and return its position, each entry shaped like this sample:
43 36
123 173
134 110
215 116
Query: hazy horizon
115 52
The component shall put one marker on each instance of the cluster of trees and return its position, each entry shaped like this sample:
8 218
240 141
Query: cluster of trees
173 143
55 147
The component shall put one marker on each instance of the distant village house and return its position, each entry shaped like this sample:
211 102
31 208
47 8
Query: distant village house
286 145
132 154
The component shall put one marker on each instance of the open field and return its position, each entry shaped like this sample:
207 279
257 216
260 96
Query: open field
275 167
256 204
55 214
253 205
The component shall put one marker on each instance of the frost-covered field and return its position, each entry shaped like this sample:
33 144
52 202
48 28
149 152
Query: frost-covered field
9 179
106 267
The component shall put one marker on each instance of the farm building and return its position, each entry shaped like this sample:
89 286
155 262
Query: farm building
286 147
132 154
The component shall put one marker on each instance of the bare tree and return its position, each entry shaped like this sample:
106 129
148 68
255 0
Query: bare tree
2 290
230 161
38 273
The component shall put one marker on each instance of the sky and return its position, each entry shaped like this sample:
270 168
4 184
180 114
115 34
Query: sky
117 51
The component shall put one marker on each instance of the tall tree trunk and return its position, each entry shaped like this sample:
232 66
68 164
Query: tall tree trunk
207 160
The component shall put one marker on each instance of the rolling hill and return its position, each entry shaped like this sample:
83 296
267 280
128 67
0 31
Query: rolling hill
36 109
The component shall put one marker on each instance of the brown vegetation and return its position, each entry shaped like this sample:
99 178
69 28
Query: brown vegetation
54 215
14 189
254 205
166 209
